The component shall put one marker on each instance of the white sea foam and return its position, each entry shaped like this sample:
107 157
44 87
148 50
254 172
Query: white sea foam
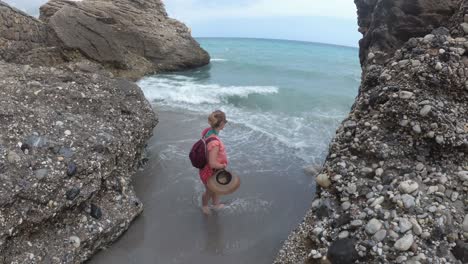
217 59
306 134
247 205
182 89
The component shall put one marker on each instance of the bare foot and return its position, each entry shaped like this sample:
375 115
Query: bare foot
218 206
206 210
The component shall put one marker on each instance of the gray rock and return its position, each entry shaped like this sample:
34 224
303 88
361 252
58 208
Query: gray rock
342 251
346 205
380 235
406 95
404 243
13 157
425 110
419 167
408 201
408 186
405 225
465 223
167 42
356 223
464 27
417 230
75 241
378 201
463 175
323 180
373 226
41 173
343 234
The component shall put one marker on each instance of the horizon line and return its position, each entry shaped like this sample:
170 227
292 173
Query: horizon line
292 40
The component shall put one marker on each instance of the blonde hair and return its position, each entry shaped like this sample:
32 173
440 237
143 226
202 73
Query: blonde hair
216 118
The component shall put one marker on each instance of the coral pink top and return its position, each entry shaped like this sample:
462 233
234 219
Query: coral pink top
207 171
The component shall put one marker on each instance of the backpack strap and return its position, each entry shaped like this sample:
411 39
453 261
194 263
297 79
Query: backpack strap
206 141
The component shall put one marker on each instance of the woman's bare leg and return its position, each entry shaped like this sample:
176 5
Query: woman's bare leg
205 199
217 204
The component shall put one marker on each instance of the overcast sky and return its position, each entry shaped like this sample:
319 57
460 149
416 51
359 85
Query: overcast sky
328 21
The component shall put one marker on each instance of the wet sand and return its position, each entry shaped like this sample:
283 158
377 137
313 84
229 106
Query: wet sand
274 195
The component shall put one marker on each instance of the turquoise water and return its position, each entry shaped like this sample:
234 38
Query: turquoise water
284 101
294 92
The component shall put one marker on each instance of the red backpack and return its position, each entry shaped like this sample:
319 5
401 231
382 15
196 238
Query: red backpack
199 153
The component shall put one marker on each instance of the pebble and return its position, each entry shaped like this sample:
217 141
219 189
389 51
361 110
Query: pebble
378 201
465 223
96 212
71 169
415 63
346 205
72 193
408 201
379 172
41 173
464 27
13 157
408 186
432 189
417 129
343 234
425 110
417 230
405 95
419 167
405 225
438 66
439 139
373 226
380 235
75 241
404 243
67 132
323 180
463 175
356 223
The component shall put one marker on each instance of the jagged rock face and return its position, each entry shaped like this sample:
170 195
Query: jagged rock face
133 38
24 38
397 170
70 139
387 24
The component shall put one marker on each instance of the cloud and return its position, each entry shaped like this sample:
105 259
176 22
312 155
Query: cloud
190 10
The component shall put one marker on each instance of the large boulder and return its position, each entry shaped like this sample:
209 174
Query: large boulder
70 139
132 38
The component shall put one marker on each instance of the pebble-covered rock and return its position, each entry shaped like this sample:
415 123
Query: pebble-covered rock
400 157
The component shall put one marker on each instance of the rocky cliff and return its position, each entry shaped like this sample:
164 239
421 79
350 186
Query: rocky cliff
128 37
71 133
394 186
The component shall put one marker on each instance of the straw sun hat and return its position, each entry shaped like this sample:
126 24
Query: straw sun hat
223 182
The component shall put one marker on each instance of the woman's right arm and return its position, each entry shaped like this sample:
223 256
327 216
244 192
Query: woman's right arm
213 159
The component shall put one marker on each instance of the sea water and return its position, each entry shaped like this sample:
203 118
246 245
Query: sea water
284 101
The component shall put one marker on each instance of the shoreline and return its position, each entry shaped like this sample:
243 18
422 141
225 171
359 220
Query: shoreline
170 190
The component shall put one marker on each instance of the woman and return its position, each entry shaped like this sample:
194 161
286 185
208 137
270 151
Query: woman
217 158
